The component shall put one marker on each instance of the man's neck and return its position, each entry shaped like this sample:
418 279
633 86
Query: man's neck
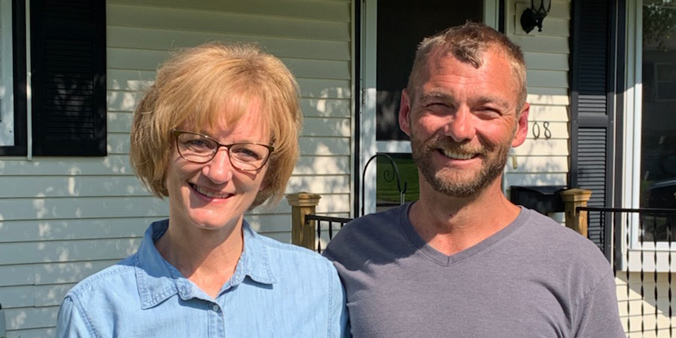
452 224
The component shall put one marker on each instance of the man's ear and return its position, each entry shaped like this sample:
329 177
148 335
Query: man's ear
404 112
521 126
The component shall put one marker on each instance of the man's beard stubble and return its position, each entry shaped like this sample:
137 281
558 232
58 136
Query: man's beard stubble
442 179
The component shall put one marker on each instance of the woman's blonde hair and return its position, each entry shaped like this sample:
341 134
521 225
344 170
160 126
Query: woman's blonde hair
195 87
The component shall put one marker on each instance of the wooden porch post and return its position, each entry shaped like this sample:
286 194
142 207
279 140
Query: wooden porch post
573 198
302 203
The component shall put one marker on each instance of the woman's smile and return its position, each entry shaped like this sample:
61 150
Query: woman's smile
204 192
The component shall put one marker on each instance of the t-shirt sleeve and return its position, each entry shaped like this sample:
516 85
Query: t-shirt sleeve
598 313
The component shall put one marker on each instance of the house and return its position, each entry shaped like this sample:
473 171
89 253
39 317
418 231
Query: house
73 70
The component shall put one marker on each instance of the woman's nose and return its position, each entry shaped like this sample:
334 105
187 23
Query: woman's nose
219 169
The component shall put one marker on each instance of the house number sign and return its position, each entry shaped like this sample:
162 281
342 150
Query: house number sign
537 131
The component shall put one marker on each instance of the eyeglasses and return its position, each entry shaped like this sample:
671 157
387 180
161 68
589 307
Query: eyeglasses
198 148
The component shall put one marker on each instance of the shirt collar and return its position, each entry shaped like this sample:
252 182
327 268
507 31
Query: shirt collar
255 260
158 280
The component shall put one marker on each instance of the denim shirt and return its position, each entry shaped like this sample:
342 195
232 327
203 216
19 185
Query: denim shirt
277 290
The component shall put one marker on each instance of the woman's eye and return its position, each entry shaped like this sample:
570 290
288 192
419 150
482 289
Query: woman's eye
246 153
198 144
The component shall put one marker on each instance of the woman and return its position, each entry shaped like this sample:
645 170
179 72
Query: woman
218 135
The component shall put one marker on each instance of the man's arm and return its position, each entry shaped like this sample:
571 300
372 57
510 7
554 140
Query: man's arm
598 313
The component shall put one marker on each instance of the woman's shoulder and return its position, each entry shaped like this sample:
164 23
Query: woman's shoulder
290 256
286 249
107 280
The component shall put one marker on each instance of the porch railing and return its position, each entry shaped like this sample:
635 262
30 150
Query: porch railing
639 243
325 224
307 227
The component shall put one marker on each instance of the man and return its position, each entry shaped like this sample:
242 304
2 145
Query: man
463 261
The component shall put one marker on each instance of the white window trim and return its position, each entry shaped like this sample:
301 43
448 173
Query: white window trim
367 119
7 79
633 103
393 146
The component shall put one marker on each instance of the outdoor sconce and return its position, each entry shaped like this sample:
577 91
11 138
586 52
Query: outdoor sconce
535 14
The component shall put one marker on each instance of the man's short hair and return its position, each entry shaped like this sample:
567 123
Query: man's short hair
467 43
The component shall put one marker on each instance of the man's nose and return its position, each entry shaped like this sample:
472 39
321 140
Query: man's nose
461 126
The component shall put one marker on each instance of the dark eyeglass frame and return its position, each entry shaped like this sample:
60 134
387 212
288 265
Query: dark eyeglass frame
176 133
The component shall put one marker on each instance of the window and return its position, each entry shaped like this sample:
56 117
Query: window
658 115
665 81
651 127
68 83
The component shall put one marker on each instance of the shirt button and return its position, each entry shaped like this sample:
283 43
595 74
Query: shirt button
215 308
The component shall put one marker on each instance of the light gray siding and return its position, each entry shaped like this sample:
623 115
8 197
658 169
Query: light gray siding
543 161
62 219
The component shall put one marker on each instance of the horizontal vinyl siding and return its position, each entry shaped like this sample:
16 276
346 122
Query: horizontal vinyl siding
312 38
541 160
62 219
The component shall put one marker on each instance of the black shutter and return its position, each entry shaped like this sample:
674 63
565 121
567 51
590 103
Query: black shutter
593 81
68 66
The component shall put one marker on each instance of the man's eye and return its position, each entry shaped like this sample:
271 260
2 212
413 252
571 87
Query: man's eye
488 112
438 108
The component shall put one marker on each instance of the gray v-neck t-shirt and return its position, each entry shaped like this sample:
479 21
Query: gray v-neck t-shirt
534 278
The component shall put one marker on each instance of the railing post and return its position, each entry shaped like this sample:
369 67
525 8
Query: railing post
2 322
573 198
302 203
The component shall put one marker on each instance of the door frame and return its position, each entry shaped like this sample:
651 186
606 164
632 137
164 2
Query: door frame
366 144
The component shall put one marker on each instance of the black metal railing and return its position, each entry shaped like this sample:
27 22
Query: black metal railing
328 227
389 176
639 243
